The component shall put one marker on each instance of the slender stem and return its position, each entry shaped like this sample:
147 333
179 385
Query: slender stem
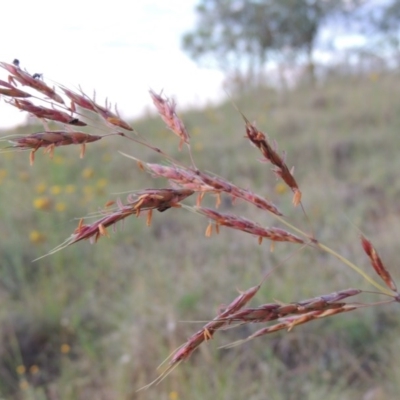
344 260
355 268
284 222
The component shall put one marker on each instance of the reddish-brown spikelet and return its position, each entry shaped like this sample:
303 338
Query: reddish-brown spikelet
27 80
245 225
203 182
54 138
186 181
184 177
257 200
12 91
210 328
301 319
51 139
223 185
159 199
88 104
239 302
216 182
166 109
273 311
78 99
112 118
377 264
345 308
259 140
146 200
290 322
47 113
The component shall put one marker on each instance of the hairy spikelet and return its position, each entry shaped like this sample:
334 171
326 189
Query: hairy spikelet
187 188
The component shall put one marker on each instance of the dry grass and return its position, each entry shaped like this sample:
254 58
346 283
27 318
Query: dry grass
187 177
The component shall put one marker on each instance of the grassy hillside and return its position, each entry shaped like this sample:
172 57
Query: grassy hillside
95 321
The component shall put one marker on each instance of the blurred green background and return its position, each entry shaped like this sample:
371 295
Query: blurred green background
95 321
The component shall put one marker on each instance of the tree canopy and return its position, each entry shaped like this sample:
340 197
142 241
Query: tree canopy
239 33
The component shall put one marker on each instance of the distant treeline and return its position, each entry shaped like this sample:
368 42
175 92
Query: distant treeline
243 37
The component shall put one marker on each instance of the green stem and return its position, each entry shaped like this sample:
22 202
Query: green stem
344 260
292 227
355 268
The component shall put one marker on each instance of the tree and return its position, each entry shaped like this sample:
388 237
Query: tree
387 21
230 33
239 32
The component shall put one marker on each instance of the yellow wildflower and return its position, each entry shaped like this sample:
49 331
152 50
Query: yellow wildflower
198 146
23 385
24 176
281 188
70 189
102 183
195 131
56 189
88 173
37 237
373 76
106 157
42 203
65 348
59 159
173 395
41 188
88 194
88 189
34 369
60 206
20 369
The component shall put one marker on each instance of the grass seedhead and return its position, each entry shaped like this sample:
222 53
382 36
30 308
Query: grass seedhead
51 139
377 264
25 79
260 140
166 109
183 181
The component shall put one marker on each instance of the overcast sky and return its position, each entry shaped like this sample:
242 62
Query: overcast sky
120 48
